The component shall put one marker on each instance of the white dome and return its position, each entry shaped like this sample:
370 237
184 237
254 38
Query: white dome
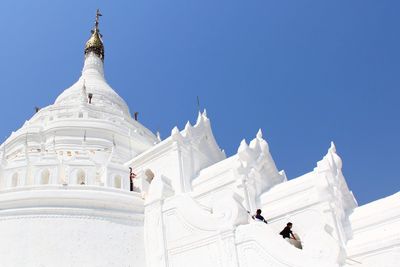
93 79
99 126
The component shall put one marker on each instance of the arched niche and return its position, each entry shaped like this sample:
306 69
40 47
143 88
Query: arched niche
45 177
14 180
118 181
81 177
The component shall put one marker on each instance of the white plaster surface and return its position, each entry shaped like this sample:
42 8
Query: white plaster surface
60 240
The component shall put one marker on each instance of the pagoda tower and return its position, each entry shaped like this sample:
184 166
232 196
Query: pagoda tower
65 189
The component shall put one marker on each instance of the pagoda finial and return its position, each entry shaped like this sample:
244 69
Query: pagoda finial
98 15
95 44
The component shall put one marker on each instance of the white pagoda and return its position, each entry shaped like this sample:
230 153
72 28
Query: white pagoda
82 183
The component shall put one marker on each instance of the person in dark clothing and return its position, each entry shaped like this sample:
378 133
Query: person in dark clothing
287 232
258 216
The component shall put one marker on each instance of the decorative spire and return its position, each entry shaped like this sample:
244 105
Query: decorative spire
259 134
95 44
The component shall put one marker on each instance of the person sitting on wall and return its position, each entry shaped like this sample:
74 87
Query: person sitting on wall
287 232
288 235
258 216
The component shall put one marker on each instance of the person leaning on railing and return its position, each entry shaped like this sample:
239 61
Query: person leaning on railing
259 217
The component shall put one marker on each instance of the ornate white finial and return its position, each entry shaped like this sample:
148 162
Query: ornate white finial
176 134
175 131
333 147
335 157
205 113
188 128
243 146
198 121
158 136
259 134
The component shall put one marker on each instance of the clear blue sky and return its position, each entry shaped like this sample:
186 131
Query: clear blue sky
306 72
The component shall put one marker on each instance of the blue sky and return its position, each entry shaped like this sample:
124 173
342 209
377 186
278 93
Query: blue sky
305 72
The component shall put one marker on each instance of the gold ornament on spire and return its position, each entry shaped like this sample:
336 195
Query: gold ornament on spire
95 44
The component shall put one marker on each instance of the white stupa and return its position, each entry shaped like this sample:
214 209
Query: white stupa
84 184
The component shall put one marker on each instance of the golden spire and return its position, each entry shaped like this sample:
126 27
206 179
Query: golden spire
95 44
